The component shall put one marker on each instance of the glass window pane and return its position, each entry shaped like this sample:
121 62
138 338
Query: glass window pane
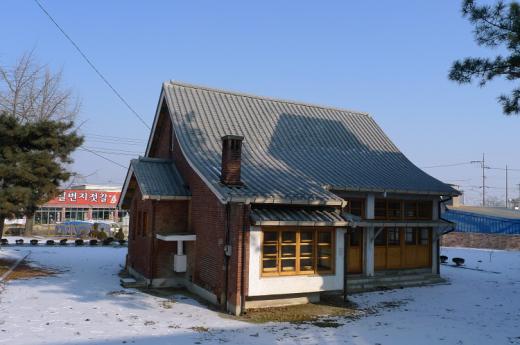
380 209
410 236
289 237
425 209
393 237
325 250
288 251
306 249
270 236
270 250
425 236
324 264
269 265
324 237
288 265
381 238
306 236
394 209
355 237
410 209
306 265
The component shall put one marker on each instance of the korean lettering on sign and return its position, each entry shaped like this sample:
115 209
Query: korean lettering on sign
86 197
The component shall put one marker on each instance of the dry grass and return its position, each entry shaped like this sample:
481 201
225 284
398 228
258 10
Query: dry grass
24 270
314 313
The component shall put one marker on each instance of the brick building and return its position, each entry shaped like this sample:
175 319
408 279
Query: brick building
251 201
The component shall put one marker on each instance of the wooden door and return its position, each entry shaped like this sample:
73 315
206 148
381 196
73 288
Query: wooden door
355 250
417 247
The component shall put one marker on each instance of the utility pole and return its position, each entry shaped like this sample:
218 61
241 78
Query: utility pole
484 167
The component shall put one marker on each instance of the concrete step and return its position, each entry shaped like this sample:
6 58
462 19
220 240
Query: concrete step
405 281
132 283
396 278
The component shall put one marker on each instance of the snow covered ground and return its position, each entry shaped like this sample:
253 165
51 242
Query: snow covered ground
85 305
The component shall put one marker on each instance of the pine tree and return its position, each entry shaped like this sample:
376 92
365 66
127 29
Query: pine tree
36 98
495 26
33 159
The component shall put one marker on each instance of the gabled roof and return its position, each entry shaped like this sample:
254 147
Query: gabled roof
157 179
292 152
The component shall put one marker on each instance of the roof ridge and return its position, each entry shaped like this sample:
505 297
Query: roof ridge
267 98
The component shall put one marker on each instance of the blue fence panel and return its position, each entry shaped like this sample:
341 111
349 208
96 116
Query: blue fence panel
472 222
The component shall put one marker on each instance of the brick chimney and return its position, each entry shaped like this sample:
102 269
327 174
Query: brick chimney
231 160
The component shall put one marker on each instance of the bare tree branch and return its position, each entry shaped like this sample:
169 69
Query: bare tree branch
31 92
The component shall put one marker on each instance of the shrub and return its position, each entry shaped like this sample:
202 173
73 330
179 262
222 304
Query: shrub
458 261
63 242
108 241
93 242
20 241
444 259
102 235
5 241
34 242
50 242
79 242
121 242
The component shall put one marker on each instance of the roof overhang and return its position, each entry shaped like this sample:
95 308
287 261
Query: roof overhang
166 197
128 177
285 201
392 191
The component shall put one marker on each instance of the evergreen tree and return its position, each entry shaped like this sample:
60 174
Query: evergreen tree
495 26
33 159
42 106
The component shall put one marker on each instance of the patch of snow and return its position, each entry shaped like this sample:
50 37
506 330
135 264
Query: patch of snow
86 305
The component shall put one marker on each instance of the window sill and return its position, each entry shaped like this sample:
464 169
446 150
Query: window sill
277 275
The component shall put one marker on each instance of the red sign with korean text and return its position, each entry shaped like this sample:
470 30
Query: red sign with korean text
86 197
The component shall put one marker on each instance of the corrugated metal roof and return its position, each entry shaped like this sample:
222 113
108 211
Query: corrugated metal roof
297 216
402 223
485 220
158 179
499 212
291 150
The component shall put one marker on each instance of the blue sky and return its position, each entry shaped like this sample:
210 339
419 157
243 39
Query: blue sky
390 59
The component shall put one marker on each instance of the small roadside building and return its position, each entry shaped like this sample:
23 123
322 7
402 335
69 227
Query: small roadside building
82 202
483 227
250 201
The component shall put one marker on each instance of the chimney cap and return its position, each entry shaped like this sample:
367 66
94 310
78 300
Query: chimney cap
232 137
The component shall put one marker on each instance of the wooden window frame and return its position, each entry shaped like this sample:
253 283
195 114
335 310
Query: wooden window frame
402 202
395 230
348 208
277 272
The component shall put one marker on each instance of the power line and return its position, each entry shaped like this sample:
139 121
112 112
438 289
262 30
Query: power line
134 153
112 137
101 156
91 64
113 142
446 165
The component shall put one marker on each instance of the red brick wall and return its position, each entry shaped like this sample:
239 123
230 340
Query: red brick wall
206 218
138 245
477 240
161 143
